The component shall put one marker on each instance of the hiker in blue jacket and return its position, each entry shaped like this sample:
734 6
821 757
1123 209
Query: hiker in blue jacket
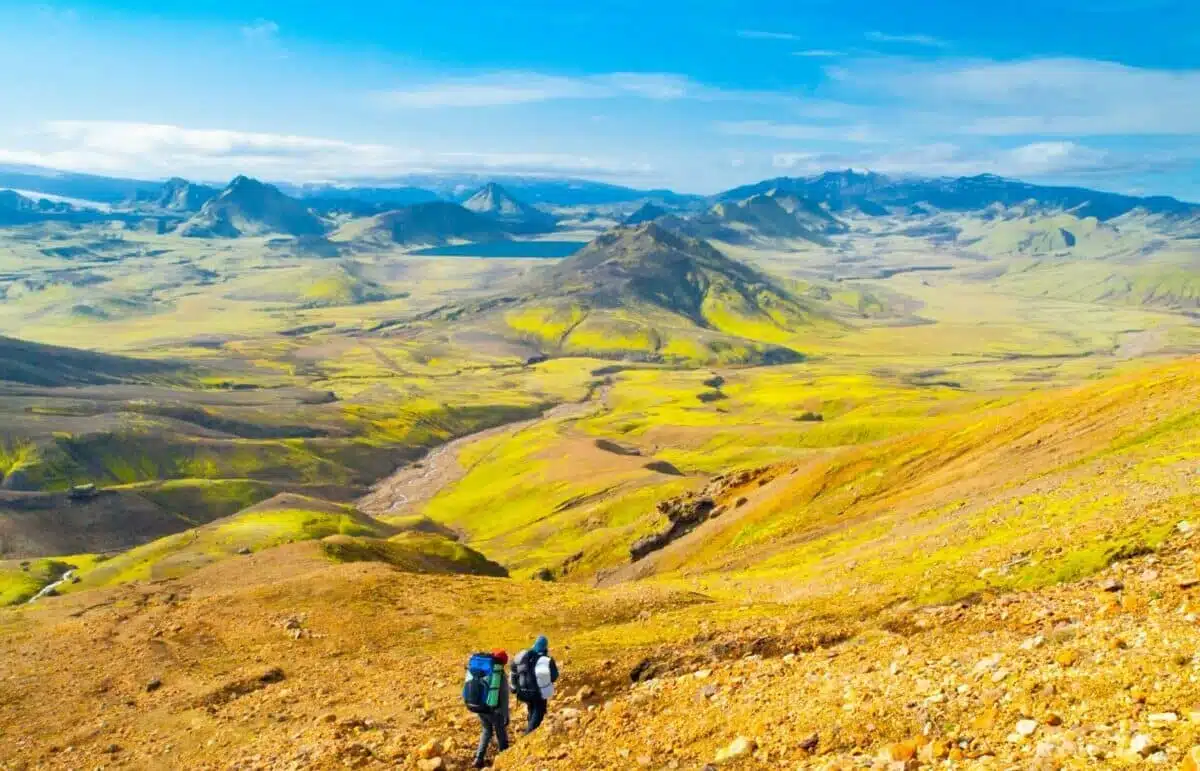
534 673
486 694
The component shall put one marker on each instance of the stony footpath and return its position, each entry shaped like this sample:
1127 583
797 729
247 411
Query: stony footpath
1104 673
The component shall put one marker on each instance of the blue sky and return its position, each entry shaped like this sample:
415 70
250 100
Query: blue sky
698 95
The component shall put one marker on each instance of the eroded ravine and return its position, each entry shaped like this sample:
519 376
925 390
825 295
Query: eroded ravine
412 485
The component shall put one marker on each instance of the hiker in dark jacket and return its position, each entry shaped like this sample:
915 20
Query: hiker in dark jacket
533 676
495 722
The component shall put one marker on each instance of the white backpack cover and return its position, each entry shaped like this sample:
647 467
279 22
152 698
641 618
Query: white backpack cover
542 672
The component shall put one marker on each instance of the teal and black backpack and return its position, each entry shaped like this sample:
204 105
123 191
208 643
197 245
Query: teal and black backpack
481 689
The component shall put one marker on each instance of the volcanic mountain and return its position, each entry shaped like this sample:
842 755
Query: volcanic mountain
516 216
179 195
647 293
648 212
808 213
761 216
16 209
435 222
248 207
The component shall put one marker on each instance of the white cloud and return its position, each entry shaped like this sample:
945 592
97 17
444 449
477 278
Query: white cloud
262 30
161 150
800 131
1046 97
526 87
819 53
509 88
927 41
1038 159
758 34
650 85
56 14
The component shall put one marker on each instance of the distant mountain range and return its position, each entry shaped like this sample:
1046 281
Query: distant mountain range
875 194
808 208
408 189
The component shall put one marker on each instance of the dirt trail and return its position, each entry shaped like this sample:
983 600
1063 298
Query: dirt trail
412 485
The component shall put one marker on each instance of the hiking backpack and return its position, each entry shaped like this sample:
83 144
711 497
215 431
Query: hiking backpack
524 676
481 689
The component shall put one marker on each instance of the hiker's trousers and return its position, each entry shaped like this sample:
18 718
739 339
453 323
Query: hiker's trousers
537 711
493 725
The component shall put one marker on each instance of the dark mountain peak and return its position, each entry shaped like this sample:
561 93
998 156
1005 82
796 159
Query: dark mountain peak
495 202
17 209
243 185
762 201
647 212
178 194
648 260
431 222
647 235
649 268
11 200
249 207
493 198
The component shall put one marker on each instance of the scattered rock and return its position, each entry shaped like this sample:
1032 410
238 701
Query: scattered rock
1033 643
738 748
430 749
1067 657
901 751
1111 585
237 688
431 764
810 742
1026 727
153 685
1142 744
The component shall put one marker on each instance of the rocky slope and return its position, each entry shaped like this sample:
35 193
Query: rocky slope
277 661
1097 674
1057 531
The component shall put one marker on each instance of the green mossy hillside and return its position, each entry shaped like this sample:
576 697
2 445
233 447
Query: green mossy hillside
414 552
280 520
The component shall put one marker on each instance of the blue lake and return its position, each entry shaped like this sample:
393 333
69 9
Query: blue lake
542 250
